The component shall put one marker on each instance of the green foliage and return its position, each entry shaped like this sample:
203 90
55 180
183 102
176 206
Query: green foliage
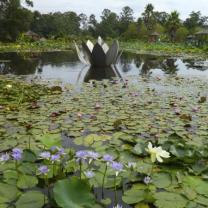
73 193
31 199
171 200
14 19
8 193
181 34
172 25
133 121
50 140
131 32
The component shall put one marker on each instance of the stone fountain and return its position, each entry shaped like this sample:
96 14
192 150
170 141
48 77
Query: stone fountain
98 55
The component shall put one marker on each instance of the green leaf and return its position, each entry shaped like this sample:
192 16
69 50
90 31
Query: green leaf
202 200
29 156
161 180
8 193
50 140
73 193
133 196
26 181
200 186
170 200
31 199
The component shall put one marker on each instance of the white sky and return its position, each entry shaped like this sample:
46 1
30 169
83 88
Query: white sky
96 6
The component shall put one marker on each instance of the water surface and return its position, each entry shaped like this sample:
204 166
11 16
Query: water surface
66 67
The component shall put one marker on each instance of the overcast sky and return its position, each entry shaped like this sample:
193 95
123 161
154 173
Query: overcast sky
96 6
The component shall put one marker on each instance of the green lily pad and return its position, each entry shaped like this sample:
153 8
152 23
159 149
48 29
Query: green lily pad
73 193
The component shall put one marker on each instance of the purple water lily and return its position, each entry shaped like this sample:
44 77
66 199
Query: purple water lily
89 174
43 170
45 155
55 157
17 154
81 154
147 180
4 158
118 167
108 158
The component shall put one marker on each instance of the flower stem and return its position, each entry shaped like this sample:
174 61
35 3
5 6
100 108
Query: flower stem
48 189
115 191
80 169
16 167
106 167
53 169
29 142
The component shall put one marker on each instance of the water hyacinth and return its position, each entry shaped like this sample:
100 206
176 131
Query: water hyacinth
43 170
45 155
17 154
89 174
4 158
157 153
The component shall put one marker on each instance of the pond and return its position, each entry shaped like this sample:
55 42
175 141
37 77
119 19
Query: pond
106 117
66 67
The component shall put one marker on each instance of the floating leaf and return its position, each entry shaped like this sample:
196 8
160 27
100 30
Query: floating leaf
26 181
170 200
161 180
31 199
73 193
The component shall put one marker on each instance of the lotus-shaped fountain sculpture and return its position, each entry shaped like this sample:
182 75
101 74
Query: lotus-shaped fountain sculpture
98 55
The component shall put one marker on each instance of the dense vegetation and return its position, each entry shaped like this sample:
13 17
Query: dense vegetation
15 19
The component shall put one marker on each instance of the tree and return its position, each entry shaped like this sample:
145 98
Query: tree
161 17
14 19
83 21
126 18
194 21
173 23
131 32
181 34
142 30
149 17
56 24
108 27
92 25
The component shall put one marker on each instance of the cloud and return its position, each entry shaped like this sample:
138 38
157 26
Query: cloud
96 6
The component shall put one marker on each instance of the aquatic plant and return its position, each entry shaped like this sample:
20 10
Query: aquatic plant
118 133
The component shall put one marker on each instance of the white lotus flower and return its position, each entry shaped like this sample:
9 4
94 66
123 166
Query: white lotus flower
117 206
100 54
8 86
157 153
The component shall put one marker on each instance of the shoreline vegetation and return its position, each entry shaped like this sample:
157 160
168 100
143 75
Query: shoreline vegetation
134 46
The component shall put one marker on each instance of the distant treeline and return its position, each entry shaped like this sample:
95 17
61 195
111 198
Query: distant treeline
15 20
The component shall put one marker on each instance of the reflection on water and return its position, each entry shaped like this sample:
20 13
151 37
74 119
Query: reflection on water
66 67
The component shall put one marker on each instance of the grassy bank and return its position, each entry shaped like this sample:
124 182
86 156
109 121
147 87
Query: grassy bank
172 49
39 46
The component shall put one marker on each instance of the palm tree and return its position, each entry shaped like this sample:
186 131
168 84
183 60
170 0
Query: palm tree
173 23
149 17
